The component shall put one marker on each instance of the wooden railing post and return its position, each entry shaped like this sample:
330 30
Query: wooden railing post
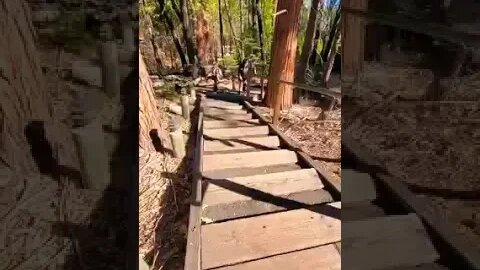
94 161
277 103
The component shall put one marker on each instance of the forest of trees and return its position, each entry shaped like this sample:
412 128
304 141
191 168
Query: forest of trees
289 40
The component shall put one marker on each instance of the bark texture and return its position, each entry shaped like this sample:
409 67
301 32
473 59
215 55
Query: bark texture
284 52
148 116
308 43
24 96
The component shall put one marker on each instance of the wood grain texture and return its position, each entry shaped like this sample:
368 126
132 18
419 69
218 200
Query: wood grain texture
394 241
236 172
231 197
262 204
230 123
258 237
241 143
215 111
248 160
236 132
246 116
323 257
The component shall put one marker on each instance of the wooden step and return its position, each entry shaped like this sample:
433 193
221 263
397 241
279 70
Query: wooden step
248 160
394 241
360 210
217 111
258 237
236 132
230 123
247 116
238 172
241 143
322 257
245 196
222 105
357 186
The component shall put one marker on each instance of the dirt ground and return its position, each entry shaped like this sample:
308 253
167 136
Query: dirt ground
433 147
164 191
320 138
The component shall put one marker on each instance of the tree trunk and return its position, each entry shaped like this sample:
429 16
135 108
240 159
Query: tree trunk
283 57
308 43
234 36
353 38
260 39
24 97
331 57
176 40
148 116
204 38
313 54
331 36
253 14
188 36
220 21
241 31
156 51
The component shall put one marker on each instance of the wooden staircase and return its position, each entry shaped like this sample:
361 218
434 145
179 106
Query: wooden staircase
261 207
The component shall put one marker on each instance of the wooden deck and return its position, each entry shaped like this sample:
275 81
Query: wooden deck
261 205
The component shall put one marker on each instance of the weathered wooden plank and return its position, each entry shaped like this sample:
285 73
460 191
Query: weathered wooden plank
338 247
216 111
243 196
192 253
334 184
322 257
242 143
247 116
297 180
237 172
360 210
264 203
267 235
249 160
386 239
230 123
236 132
357 186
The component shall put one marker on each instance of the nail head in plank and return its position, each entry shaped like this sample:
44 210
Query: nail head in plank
387 239
357 186
252 159
267 235
237 172
237 132
322 257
